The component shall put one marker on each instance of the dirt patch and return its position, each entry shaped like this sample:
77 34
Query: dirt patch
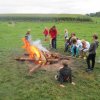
53 67
73 63
57 66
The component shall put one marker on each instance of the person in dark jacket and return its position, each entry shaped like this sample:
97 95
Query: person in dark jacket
92 53
65 75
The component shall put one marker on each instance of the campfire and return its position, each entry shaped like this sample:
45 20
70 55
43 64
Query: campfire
39 57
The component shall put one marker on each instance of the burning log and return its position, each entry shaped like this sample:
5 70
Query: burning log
52 60
45 60
26 54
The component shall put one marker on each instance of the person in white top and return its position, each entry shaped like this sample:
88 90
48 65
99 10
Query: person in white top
79 44
28 36
85 48
66 39
66 34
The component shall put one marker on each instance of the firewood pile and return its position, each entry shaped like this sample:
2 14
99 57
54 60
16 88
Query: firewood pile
39 57
51 59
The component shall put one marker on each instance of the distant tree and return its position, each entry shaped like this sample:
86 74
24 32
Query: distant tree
97 14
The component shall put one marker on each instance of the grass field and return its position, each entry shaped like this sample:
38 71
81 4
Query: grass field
15 84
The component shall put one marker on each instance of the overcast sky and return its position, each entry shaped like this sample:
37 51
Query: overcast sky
49 6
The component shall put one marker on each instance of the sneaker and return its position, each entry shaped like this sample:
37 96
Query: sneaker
56 77
92 69
87 70
61 85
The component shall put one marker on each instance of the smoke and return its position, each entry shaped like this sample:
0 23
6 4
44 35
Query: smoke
39 45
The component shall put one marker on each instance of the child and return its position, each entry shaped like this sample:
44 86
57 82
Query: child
28 36
92 53
85 48
66 40
66 34
68 43
46 32
79 45
65 75
74 48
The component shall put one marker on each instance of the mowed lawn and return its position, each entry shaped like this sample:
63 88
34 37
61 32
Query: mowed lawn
15 84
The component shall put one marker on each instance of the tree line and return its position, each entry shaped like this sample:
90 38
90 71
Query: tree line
97 14
45 19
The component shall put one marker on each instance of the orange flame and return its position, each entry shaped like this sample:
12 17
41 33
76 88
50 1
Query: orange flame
33 51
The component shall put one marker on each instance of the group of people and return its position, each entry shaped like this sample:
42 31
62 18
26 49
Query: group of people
77 47
52 32
82 48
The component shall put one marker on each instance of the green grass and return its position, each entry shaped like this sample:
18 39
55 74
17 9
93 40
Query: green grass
16 85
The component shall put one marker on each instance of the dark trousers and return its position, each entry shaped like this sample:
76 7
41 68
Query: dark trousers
91 57
53 42
63 79
66 46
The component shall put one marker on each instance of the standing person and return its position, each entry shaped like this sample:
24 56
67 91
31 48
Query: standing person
92 53
68 43
66 39
53 34
74 48
28 36
73 36
85 48
79 45
66 35
46 32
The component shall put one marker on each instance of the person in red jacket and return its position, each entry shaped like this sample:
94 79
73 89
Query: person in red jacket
53 35
46 32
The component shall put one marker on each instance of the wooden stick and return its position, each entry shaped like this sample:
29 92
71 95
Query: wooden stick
33 69
23 59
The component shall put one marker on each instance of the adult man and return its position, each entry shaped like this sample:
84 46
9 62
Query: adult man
53 34
92 52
